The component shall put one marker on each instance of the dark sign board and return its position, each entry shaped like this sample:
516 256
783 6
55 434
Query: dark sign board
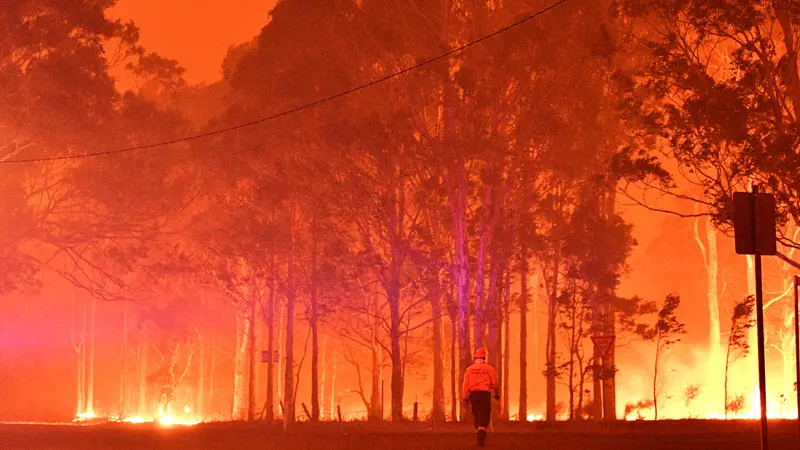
760 241
265 356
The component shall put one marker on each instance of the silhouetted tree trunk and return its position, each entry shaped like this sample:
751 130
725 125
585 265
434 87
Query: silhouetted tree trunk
495 324
708 250
550 403
376 409
396 200
314 328
506 346
240 396
438 369
200 406
323 375
751 360
212 374
124 369
397 362
480 264
79 346
251 357
281 355
90 364
333 381
458 206
609 292
142 359
453 376
523 338
270 410
288 396
597 385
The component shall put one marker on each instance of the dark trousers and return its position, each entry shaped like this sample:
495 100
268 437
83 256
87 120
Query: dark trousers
481 402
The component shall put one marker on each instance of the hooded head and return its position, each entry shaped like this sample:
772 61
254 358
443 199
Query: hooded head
480 353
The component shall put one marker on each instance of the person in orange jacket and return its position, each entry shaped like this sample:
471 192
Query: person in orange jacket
480 381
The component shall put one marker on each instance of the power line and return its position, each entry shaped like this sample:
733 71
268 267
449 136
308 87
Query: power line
292 110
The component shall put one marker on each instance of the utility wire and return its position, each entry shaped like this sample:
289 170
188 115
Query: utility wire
295 109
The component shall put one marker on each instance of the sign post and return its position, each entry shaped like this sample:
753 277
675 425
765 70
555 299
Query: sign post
796 281
603 344
754 232
265 356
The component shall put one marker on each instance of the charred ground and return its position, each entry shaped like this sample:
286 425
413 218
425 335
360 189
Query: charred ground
665 435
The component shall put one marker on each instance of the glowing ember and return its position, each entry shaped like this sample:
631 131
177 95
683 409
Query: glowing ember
85 417
134 420
169 421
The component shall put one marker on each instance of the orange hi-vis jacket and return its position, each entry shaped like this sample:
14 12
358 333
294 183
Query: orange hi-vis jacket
480 376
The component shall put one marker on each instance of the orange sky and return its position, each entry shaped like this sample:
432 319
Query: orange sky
195 32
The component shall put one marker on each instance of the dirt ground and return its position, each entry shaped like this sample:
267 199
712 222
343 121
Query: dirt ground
667 435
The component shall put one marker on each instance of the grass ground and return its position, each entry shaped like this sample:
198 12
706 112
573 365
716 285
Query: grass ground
667 435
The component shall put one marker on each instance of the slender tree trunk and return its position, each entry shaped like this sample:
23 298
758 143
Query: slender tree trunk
551 343
288 396
281 355
572 353
582 314
535 332
725 384
495 323
323 376
506 346
438 363
597 363
270 411
708 250
480 275
200 406
713 293
655 378
212 375
143 410
124 370
457 197
79 345
375 408
458 205
609 293
376 398
333 381
240 363
751 359
314 330
300 367
597 386
251 358
81 377
90 368
609 369
454 394
581 389
397 363
523 338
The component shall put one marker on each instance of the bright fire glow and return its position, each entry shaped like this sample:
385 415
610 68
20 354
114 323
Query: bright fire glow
169 420
134 420
84 416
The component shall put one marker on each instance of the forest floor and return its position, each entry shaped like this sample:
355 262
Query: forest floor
665 435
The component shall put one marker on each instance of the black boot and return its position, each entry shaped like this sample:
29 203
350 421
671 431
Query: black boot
481 438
